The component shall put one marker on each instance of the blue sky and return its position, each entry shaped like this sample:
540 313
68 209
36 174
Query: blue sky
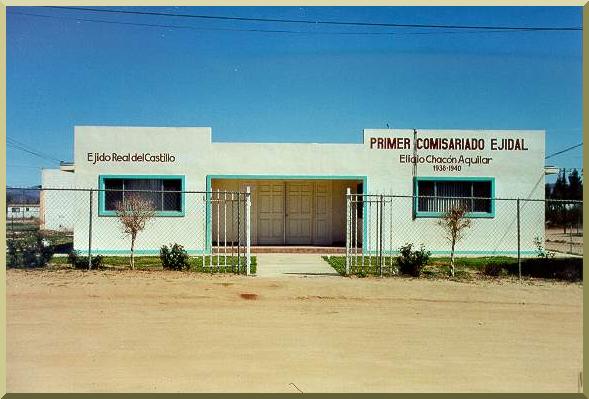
285 87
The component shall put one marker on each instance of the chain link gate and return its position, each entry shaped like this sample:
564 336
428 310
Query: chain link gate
369 234
230 230
213 226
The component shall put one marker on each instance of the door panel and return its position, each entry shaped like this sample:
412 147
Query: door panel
292 212
322 228
299 215
270 209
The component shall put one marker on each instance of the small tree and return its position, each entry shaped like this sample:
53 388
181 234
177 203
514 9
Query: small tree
134 213
575 185
454 222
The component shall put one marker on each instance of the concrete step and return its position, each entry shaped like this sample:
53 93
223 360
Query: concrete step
297 250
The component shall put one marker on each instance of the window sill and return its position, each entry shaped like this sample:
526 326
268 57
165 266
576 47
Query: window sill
470 215
157 213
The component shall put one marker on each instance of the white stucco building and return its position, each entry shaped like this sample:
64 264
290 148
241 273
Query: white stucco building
57 207
298 189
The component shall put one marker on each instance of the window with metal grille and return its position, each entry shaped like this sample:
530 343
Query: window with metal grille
435 197
163 193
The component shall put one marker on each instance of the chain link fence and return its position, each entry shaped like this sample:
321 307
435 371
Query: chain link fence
213 226
378 225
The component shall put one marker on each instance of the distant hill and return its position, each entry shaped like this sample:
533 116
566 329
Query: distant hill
29 195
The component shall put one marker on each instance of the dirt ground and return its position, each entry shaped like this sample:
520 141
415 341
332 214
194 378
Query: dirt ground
106 331
569 242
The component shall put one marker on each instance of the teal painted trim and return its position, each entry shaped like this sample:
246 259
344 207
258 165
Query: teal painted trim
472 252
285 177
281 177
485 252
137 251
101 206
473 215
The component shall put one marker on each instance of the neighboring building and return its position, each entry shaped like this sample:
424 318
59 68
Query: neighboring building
298 189
58 206
22 211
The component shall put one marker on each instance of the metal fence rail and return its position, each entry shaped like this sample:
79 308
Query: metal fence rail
230 229
378 225
213 226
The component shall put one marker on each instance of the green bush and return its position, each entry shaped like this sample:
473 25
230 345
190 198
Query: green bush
174 257
31 252
569 269
411 262
81 262
13 253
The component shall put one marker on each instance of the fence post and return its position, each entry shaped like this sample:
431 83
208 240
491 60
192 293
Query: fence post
248 204
90 233
348 228
238 233
571 239
22 207
519 260
381 219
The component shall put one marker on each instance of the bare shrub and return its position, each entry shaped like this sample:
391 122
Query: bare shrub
454 222
134 213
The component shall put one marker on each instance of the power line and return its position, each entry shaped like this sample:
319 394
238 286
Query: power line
8 138
167 26
20 143
17 145
563 151
30 152
11 165
318 22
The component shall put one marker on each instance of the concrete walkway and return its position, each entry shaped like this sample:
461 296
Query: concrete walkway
293 265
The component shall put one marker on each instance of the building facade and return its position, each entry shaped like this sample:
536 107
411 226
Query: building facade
298 190
57 204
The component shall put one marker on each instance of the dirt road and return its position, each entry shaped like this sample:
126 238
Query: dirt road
111 331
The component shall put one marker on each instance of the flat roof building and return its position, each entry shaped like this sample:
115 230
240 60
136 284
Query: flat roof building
57 206
298 190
